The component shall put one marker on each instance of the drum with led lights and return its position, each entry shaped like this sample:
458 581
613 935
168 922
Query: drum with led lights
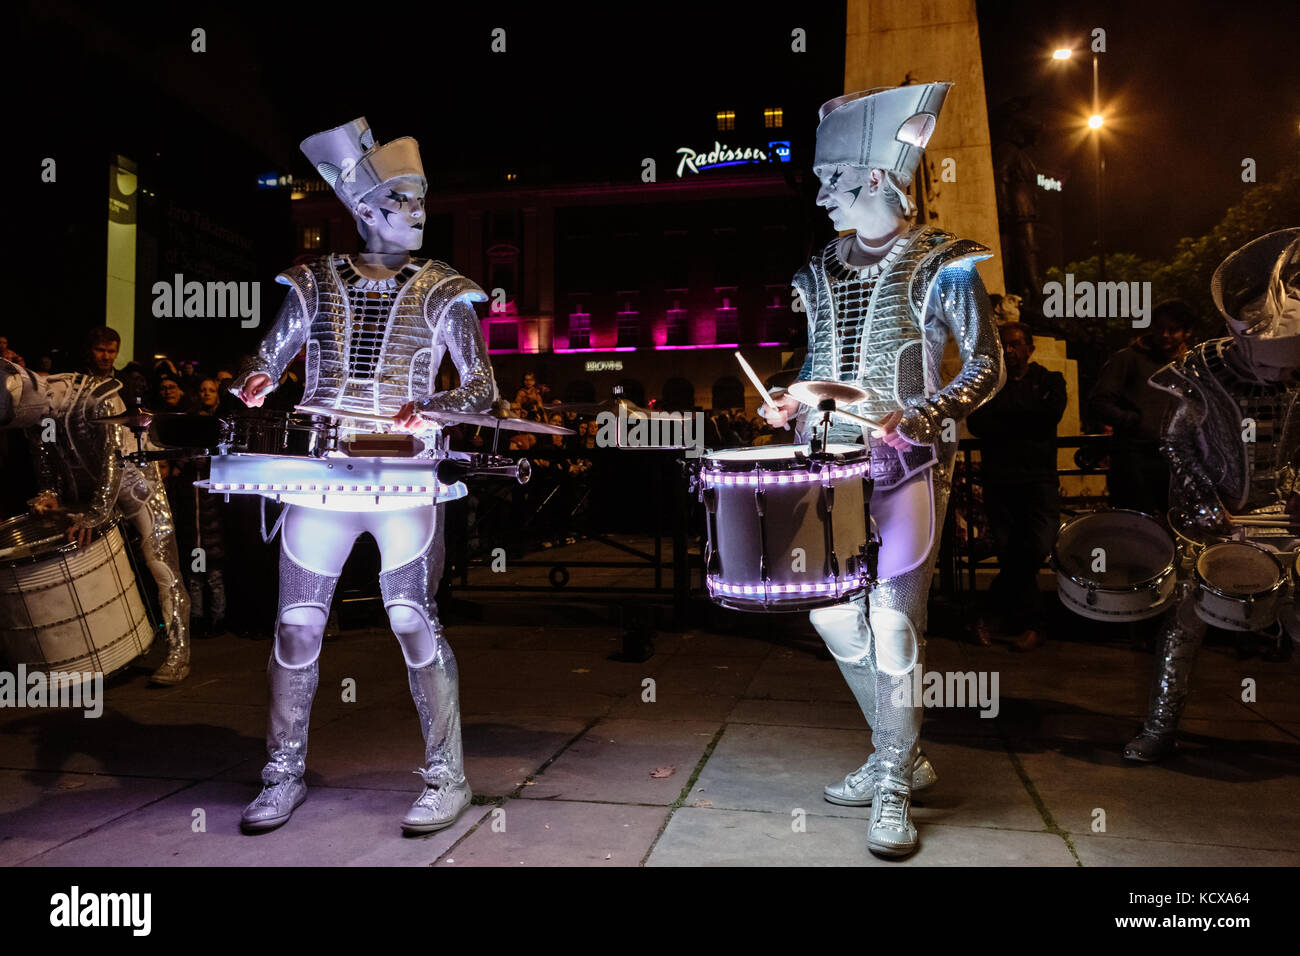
788 529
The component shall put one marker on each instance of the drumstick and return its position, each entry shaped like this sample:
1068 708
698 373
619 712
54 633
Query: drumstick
860 418
758 384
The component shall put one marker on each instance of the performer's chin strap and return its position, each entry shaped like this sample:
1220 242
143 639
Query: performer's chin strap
275 528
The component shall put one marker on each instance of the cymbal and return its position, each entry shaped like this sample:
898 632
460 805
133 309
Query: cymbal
813 393
493 421
137 419
445 417
593 408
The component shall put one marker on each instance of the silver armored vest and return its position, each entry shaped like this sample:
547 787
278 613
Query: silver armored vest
1249 442
374 344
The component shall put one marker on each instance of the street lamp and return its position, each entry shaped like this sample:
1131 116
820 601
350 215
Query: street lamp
1095 122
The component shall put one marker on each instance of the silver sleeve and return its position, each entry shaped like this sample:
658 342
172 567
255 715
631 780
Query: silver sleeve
961 304
104 496
462 334
1191 489
279 346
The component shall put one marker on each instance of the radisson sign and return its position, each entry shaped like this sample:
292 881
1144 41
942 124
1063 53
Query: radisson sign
723 155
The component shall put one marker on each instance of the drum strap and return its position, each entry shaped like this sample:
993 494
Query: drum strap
275 529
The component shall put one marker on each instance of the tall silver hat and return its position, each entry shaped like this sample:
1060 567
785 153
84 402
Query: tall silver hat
1257 291
885 128
350 161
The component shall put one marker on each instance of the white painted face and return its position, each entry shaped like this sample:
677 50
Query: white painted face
849 195
394 215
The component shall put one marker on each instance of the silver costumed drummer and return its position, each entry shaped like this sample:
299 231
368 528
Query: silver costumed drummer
1220 468
376 327
882 301
82 473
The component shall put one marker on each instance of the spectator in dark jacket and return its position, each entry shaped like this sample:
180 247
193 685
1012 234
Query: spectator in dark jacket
1122 399
1018 476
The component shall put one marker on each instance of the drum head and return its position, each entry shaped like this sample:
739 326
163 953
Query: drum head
775 453
1237 569
32 537
1114 549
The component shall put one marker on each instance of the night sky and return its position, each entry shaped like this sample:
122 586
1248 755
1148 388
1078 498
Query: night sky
1192 88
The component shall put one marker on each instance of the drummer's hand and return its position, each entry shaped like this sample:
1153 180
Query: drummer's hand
408 419
79 533
787 406
888 431
251 392
45 502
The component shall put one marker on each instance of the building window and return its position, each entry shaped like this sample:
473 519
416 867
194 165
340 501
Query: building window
312 237
773 118
503 336
726 119
579 329
503 274
677 331
629 325
726 321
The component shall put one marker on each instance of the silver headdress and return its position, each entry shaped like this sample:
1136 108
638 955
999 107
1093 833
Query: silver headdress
350 161
1257 291
885 128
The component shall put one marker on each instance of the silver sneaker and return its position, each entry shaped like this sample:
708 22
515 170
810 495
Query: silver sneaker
891 833
274 805
1148 747
858 788
288 718
439 805
174 669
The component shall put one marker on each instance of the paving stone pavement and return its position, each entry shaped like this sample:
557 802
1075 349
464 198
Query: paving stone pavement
712 752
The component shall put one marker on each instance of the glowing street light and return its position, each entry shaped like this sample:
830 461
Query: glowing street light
1095 122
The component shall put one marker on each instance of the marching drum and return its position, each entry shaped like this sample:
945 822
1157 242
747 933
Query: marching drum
69 609
787 530
1115 566
1239 585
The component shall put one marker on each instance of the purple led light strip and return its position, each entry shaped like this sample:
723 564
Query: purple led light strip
836 473
837 588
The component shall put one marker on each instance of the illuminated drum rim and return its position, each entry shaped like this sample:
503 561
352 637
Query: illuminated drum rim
834 587
777 465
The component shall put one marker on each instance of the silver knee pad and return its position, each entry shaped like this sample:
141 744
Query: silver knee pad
411 612
845 630
897 647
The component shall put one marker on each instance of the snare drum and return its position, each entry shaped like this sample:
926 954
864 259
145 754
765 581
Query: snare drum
68 609
1115 566
1239 586
283 433
787 531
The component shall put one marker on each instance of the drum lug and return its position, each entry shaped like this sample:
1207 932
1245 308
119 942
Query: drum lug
760 505
1092 595
832 568
712 560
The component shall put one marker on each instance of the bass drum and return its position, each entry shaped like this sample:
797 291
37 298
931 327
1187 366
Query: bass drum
68 609
1115 566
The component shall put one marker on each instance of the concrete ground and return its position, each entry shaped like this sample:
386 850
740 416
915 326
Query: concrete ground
571 764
